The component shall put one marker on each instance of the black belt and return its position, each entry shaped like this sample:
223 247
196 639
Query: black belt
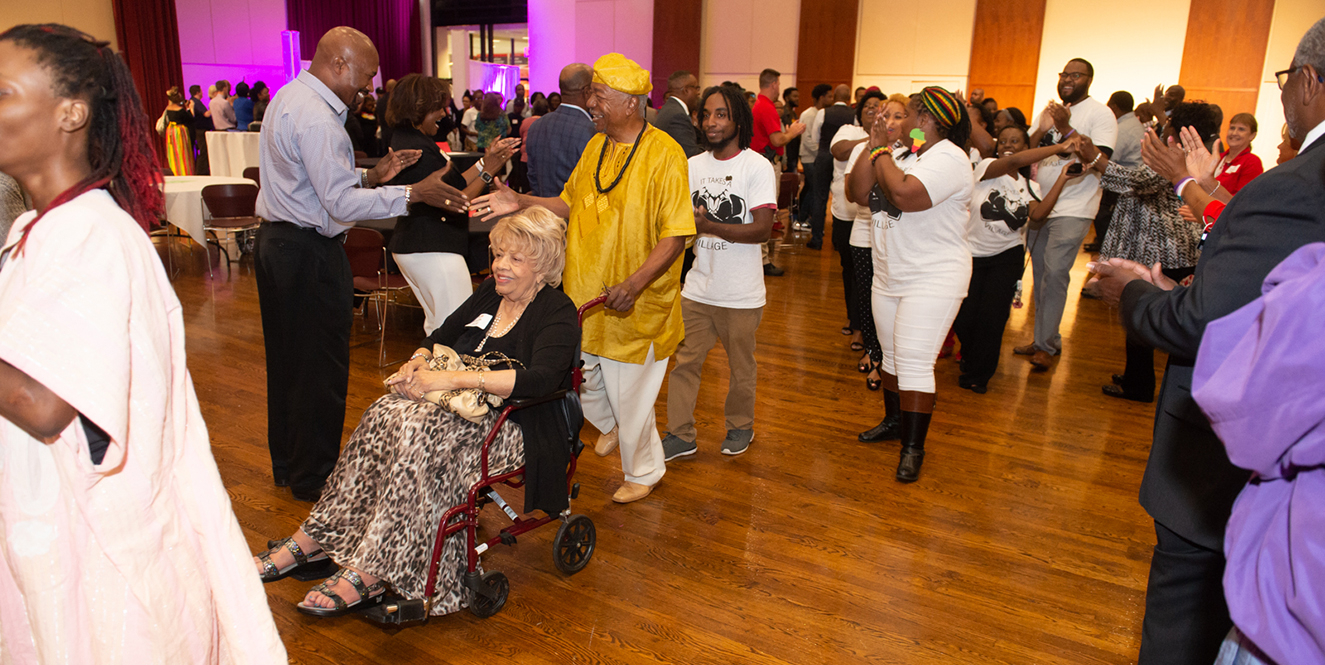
339 237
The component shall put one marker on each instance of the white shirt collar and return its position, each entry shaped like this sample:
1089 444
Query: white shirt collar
1312 135
323 91
586 113
683 104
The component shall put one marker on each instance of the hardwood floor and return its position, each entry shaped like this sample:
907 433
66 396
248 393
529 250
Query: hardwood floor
1021 543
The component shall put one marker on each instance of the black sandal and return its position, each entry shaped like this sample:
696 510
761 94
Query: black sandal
873 384
304 568
368 595
857 346
865 365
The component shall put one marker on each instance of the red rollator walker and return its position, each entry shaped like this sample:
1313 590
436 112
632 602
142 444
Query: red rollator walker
571 549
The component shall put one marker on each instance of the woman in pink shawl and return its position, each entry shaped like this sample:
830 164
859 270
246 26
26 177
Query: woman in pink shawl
117 541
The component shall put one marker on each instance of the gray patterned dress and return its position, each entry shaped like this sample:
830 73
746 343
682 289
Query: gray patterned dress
1146 226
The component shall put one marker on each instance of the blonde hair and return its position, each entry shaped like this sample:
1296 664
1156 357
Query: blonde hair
897 98
540 235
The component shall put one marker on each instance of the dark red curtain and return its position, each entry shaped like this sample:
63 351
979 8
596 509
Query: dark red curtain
149 43
393 25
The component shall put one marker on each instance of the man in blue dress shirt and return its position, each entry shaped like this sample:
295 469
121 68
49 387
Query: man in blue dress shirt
311 195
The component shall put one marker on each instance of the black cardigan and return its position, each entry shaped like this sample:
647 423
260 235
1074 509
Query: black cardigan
427 228
547 340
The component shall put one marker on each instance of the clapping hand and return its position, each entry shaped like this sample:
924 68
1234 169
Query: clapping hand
1166 160
434 192
1061 116
795 129
394 162
501 201
1201 163
501 151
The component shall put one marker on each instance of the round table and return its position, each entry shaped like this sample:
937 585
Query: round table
184 206
229 153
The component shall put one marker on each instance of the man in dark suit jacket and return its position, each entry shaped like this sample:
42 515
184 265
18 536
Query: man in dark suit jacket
554 143
674 116
834 117
1190 485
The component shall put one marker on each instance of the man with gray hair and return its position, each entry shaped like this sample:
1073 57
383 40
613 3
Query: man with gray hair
554 143
1190 484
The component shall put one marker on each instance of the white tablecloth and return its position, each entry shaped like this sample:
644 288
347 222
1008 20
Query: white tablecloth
229 153
184 207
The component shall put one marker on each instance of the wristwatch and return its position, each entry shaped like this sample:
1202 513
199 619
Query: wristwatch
487 177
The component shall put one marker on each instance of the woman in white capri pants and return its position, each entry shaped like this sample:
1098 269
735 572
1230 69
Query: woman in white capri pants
919 193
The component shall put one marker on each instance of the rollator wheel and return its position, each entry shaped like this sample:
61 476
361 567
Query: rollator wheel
574 544
484 607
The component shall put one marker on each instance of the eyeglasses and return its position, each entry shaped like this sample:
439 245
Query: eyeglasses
1281 77
1075 76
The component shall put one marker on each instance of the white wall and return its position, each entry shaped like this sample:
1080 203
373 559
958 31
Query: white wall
897 53
1134 45
236 40
1290 21
95 17
566 31
743 37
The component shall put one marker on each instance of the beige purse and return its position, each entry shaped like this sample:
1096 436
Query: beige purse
471 404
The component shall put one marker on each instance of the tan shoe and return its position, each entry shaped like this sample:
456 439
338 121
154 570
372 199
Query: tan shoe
631 492
1042 360
606 443
1025 350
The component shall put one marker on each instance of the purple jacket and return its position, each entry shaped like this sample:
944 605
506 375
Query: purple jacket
1260 378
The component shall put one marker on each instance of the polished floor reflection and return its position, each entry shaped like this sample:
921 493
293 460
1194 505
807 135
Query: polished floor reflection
1021 543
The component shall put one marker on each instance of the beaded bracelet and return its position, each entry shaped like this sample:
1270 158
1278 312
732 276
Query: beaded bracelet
879 151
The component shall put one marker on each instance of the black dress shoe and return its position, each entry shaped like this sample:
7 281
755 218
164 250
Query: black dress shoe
908 468
311 496
1117 391
814 244
888 428
772 270
972 385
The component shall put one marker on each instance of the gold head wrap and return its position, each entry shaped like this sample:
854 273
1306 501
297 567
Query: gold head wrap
622 74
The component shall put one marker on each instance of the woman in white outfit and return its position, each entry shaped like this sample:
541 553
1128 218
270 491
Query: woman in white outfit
919 196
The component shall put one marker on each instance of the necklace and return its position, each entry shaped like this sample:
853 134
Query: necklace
603 153
497 319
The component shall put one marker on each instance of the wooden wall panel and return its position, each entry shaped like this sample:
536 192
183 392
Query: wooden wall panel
1005 51
677 26
826 50
1224 54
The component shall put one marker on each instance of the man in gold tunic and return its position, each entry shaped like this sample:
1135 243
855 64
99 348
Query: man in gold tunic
628 202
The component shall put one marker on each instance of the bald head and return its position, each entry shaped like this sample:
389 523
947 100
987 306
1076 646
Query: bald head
346 62
574 83
841 93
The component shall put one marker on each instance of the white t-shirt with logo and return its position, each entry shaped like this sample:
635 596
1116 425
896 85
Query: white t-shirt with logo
925 253
1000 208
1080 197
842 208
728 274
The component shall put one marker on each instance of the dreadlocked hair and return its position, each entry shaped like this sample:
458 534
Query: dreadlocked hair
737 109
119 144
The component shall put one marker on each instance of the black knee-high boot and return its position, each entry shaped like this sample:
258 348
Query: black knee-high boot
914 427
890 427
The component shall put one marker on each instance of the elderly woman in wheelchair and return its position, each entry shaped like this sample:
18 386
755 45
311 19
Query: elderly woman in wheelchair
416 451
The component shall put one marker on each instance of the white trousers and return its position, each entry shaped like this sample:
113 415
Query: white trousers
440 281
911 331
622 395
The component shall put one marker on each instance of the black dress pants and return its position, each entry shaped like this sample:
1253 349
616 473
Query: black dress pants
1186 614
984 313
842 243
306 293
819 182
1108 200
1139 370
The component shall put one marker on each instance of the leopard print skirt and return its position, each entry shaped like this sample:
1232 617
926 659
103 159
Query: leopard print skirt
405 465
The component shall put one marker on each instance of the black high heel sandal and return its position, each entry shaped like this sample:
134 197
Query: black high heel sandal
865 365
873 384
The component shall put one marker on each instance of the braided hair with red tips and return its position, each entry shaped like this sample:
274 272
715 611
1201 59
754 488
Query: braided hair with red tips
119 143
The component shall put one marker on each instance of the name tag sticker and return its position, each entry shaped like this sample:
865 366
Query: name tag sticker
481 321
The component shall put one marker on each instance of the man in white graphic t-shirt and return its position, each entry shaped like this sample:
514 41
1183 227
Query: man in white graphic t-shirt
1055 243
733 191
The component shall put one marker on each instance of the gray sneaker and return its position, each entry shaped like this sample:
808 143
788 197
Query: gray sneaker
737 441
674 447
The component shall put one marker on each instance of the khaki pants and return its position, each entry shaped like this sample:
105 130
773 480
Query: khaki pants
704 326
